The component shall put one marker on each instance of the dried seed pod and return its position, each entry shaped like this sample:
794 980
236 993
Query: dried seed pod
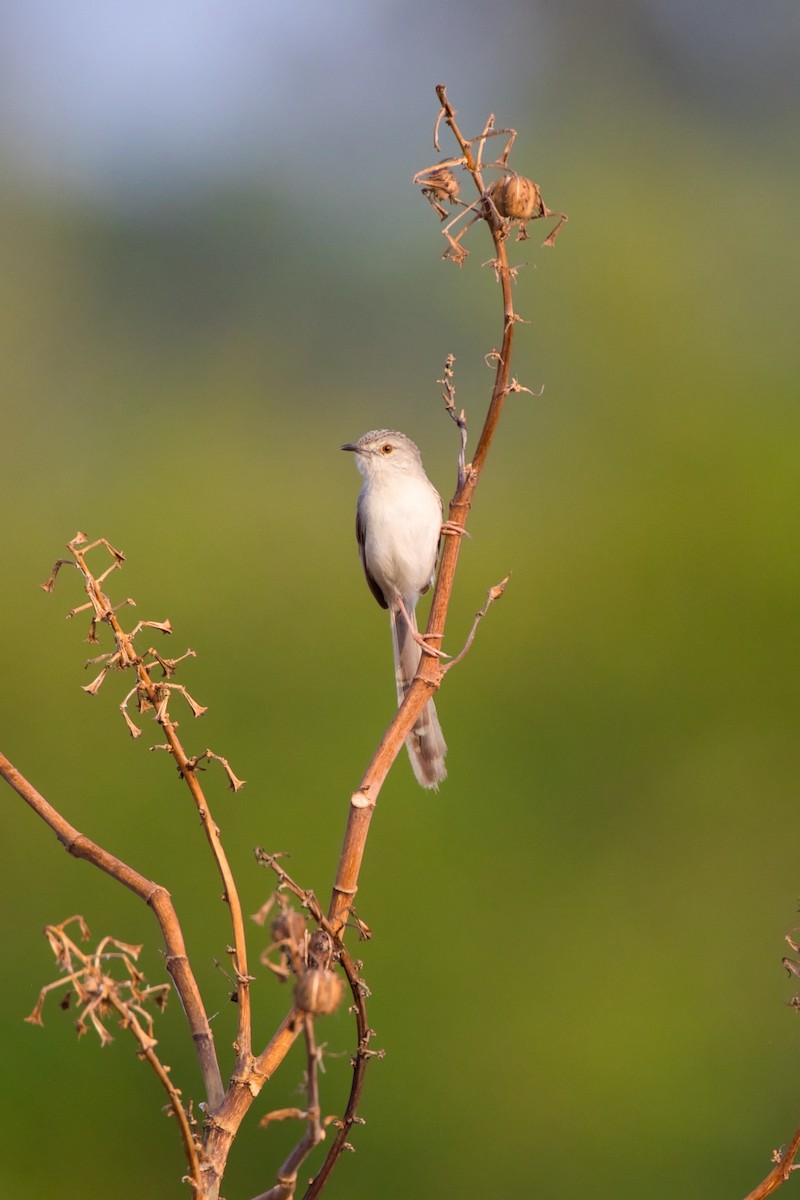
516 198
320 949
289 927
440 183
318 991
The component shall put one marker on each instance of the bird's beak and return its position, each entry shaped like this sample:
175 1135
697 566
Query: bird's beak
349 446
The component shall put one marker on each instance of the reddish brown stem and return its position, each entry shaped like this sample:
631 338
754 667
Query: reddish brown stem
779 1173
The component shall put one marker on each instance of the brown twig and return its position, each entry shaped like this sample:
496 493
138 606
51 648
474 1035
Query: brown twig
359 992
359 1062
449 398
494 593
783 1168
784 1160
159 900
286 1185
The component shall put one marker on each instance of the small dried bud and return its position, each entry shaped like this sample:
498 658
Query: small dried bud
516 198
318 991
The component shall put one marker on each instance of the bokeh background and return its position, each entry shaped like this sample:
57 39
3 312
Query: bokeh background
216 270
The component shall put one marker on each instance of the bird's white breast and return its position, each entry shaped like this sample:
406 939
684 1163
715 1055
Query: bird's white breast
402 517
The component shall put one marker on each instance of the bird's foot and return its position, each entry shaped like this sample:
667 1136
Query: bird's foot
452 529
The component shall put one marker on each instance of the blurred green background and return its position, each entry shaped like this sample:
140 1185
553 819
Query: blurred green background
215 271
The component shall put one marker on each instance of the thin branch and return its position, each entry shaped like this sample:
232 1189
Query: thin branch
780 1172
286 1184
359 1062
148 1053
360 993
449 398
159 900
493 594
189 1144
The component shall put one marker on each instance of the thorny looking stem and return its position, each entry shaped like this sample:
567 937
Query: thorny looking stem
359 993
286 1186
493 594
783 1168
360 1059
178 1111
784 1160
431 671
448 395
158 696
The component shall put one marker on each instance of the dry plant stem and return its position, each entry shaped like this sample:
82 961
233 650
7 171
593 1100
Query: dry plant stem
104 611
178 1111
362 1057
359 992
225 1109
286 1186
780 1172
431 671
223 1125
159 900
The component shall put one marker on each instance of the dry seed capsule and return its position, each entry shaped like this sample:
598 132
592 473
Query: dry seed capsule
318 991
289 926
320 949
515 197
441 184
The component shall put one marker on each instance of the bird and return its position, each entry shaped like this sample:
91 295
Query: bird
398 528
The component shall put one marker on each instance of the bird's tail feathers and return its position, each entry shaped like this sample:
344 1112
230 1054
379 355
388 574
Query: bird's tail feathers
425 743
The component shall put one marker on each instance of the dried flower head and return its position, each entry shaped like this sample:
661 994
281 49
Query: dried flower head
99 994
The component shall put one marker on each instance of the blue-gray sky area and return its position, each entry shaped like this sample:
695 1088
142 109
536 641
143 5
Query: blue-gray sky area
119 100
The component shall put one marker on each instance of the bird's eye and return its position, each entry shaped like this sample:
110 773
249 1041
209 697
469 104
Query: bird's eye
387 448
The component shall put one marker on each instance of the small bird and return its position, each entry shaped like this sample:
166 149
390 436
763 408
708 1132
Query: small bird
398 526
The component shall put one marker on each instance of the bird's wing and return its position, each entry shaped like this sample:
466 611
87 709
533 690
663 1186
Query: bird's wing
361 537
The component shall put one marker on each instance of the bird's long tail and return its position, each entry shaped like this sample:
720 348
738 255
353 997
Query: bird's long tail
425 744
